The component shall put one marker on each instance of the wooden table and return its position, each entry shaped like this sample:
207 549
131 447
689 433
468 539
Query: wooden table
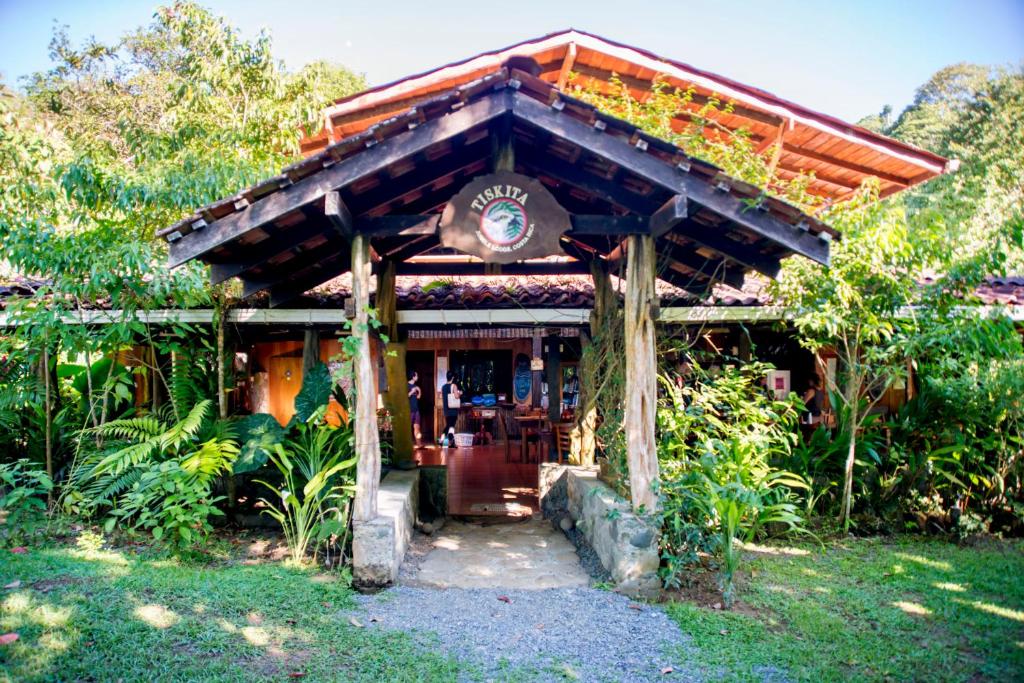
528 425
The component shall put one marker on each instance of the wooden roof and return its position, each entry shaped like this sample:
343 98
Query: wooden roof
840 155
290 233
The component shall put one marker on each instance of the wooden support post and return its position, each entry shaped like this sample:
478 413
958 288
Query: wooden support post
310 349
396 398
537 375
641 373
553 371
367 436
600 318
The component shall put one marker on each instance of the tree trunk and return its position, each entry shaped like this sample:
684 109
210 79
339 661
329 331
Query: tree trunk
396 398
367 437
222 399
853 405
48 412
641 373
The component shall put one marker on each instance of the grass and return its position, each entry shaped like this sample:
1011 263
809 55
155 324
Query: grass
870 609
93 614
861 609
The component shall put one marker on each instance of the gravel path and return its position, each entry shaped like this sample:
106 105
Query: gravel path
555 634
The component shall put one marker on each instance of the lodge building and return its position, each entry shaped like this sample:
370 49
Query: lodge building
489 217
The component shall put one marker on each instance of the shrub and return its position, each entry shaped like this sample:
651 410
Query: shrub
23 492
312 503
719 438
158 475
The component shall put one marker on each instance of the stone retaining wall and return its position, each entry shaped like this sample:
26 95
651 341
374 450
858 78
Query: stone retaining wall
379 544
626 544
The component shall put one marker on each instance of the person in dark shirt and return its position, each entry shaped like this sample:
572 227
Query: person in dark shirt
449 391
814 400
414 407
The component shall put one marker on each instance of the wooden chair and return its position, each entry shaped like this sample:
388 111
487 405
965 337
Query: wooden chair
533 435
509 427
563 440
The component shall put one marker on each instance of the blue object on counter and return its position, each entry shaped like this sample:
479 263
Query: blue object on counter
490 400
477 400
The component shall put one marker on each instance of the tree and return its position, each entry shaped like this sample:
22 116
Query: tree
857 306
118 140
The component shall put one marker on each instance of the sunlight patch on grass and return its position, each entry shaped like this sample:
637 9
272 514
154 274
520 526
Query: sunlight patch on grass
926 562
256 635
50 616
21 605
912 608
53 641
951 587
997 610
227 626
774 550
111 557
17 603
157 616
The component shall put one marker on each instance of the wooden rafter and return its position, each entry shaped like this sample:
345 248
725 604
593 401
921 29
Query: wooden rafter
659 173
313 187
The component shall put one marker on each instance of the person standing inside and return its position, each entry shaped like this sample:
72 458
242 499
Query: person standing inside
450 404
414 407
814 400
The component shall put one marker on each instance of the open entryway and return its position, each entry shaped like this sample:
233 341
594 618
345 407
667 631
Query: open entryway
484 481
526 553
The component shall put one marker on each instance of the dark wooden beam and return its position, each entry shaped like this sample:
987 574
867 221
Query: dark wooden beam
711 237
414 247
293 268
685 282
672 213
398 225
542 268
422 177
609 225
286 290
692 261
260 253
315 186
675 180
338 214
603 188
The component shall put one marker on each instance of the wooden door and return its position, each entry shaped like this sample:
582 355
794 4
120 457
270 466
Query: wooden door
285 382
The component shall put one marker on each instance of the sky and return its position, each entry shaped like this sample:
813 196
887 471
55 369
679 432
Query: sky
845 58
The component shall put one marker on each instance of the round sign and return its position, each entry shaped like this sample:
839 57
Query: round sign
504 222
503 217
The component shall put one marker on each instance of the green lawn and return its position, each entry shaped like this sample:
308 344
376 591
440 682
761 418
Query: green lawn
863 609
103 615
871 609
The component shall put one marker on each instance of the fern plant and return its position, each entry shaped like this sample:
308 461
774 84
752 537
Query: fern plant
150 453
